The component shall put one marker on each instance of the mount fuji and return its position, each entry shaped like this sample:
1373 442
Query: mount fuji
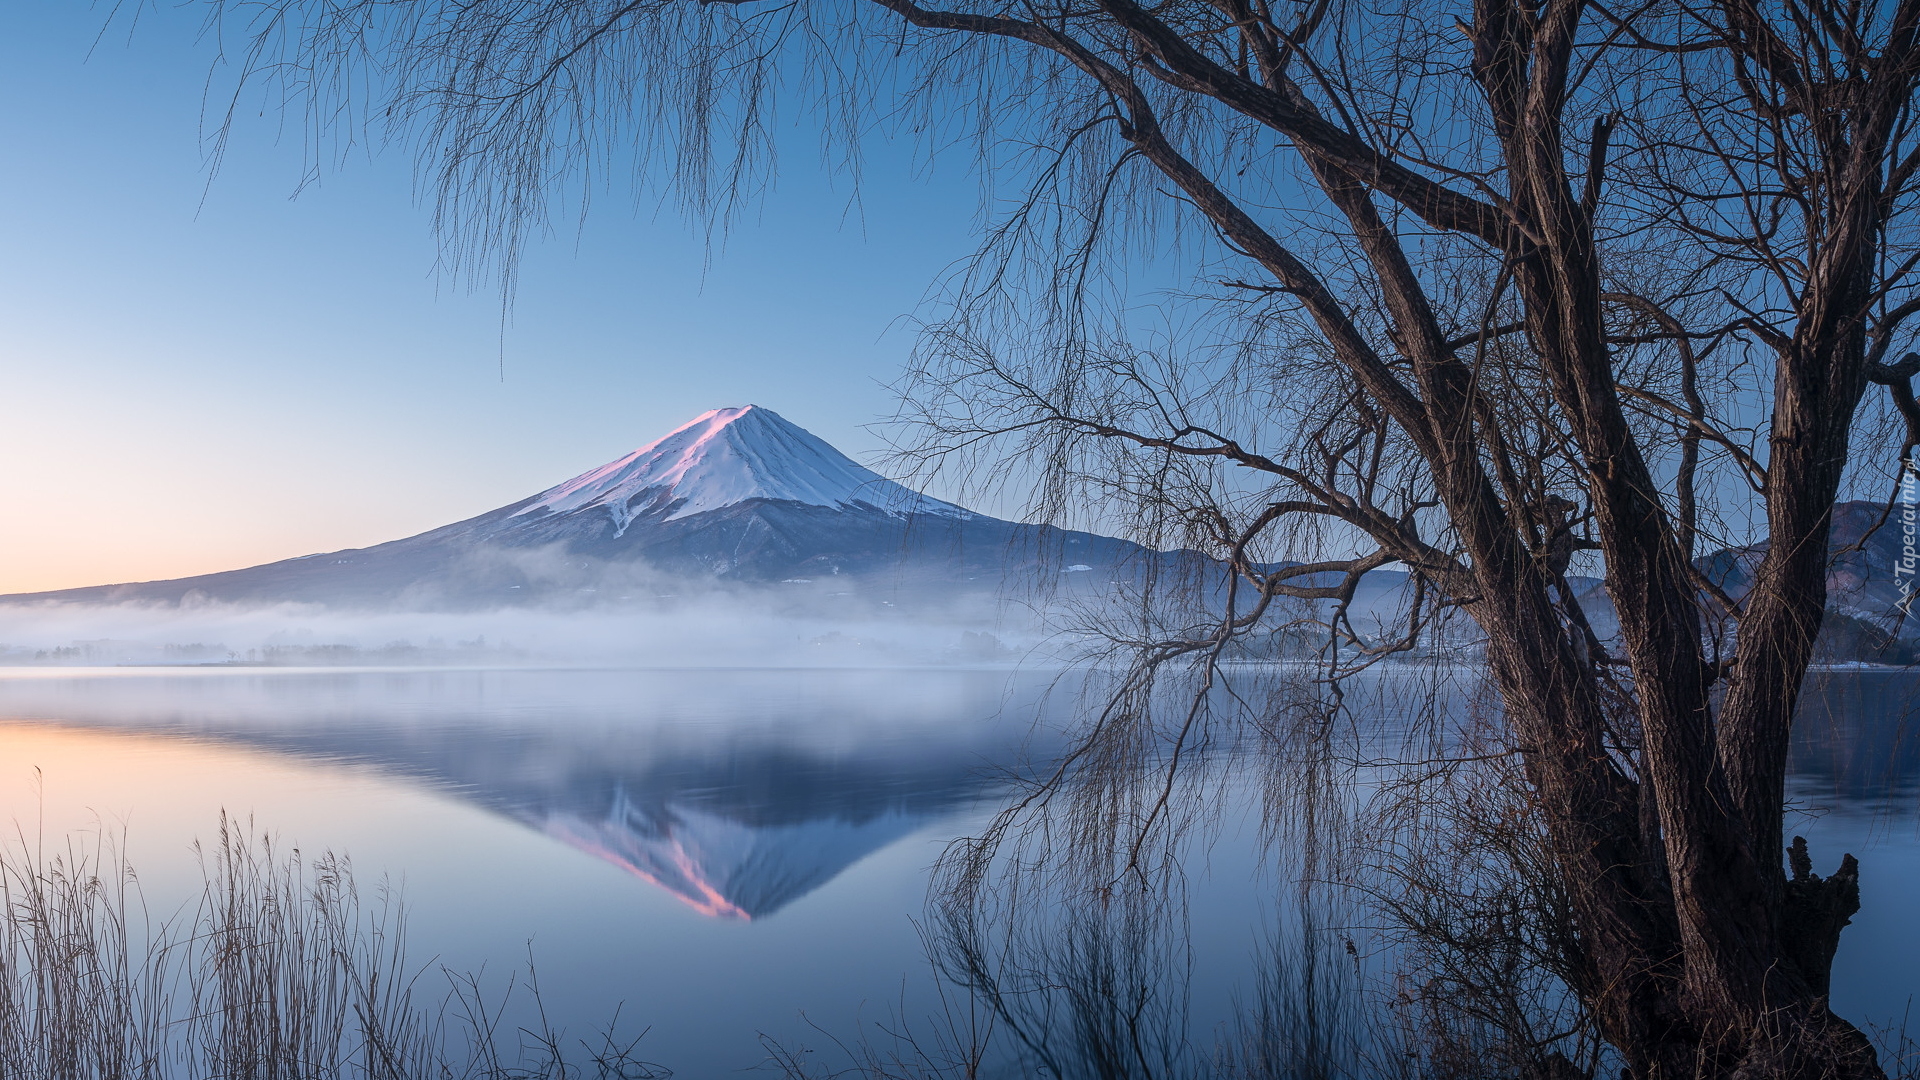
723 458
737 494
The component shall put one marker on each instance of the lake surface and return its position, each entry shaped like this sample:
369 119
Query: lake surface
728 855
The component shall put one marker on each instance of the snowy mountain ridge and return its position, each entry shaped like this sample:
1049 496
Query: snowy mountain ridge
724 457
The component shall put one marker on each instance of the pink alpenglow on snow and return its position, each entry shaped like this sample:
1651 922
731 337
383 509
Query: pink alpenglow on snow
729 456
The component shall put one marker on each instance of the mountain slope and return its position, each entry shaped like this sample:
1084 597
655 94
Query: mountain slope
1869 578
736 494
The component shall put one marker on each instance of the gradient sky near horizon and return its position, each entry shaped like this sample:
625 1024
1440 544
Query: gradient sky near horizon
200 376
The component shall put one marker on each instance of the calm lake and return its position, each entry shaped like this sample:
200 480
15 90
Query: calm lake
731 855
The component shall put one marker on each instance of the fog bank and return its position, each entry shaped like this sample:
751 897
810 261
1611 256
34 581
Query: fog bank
753 627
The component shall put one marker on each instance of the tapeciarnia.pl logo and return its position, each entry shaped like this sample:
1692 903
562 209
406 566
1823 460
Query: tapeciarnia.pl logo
1909 561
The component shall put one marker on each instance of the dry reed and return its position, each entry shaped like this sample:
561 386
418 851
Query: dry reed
280 972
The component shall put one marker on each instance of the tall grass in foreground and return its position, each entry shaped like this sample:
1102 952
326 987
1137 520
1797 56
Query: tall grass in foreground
280 972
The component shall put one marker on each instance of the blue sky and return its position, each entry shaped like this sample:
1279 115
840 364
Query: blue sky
196 376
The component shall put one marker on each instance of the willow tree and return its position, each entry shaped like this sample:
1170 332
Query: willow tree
1484 288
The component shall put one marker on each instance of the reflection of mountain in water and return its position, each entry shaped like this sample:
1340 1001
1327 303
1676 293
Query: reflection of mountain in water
723 866
739 831
738 834
737 813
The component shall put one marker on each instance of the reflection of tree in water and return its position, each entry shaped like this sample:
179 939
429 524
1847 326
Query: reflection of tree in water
1060 936
1420 929
1856 741
1075 989
1100 990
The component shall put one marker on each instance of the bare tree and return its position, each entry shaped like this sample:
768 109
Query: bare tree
1479 290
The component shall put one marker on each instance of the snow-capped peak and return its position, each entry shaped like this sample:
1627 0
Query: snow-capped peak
728 456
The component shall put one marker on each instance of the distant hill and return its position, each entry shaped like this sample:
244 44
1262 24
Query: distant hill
1865 620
